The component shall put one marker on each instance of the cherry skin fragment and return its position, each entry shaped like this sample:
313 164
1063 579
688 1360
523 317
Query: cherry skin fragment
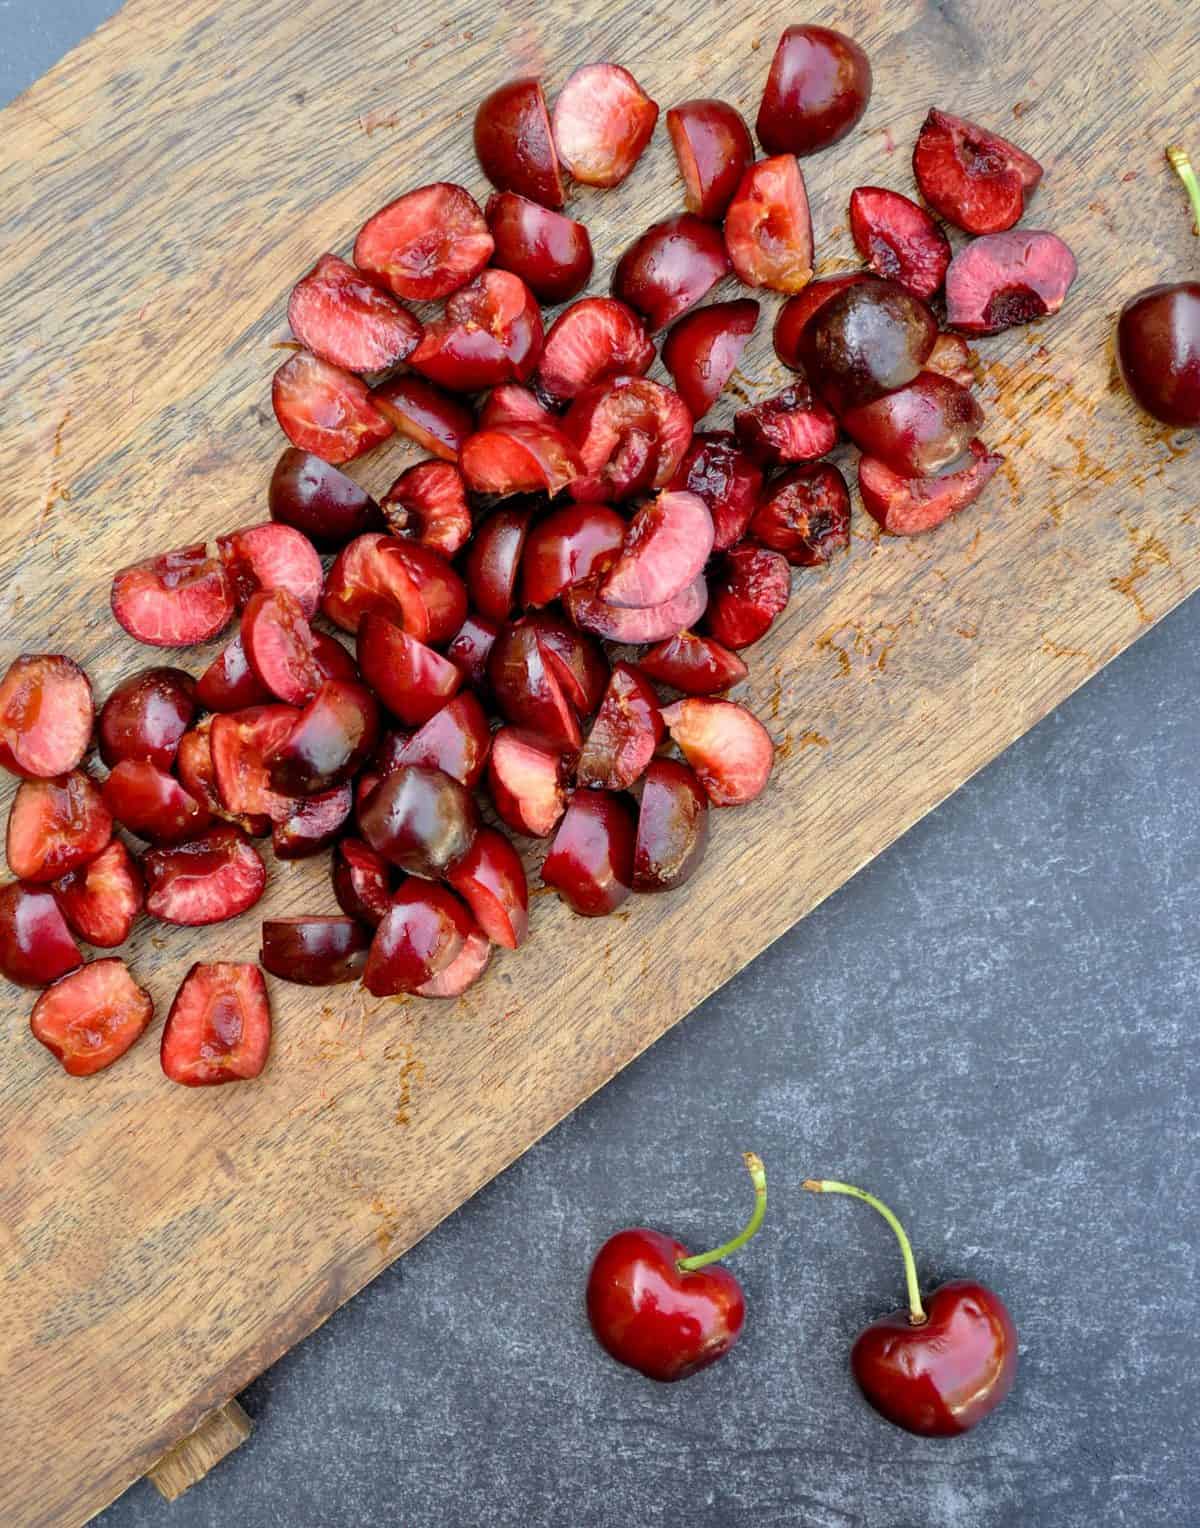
426 244
206 880
315 952
36 946
325 410
55 826
672 830
362 881
602 121
973 178
146 716
91 1017
490 879
46 714
590 863
899 240
817 90
768 227
905 506
713 149
174 600
315 498
1007 278
514 144
349 321
424 413
805 514
703 349
219 1026
730 750
101 900
551 253
670 268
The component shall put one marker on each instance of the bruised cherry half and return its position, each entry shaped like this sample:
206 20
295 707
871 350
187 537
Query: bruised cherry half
1005 279
727 477
805 514
672 830
974 178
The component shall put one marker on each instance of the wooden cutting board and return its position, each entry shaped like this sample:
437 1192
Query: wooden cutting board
161 189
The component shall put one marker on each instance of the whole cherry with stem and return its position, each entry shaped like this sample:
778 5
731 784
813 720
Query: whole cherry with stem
941 1366
663 1311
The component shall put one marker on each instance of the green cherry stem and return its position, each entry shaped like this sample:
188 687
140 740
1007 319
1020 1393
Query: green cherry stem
916 1311
758 1176
1182 165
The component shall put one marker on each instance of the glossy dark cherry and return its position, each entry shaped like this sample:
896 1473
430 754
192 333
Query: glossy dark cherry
703 348
514 143
714 150
818 88
670 268
590 863
727 478
672 830
1158 349
865 341
420 820
551 253
918 430
316 952
313 496
796 312
145 717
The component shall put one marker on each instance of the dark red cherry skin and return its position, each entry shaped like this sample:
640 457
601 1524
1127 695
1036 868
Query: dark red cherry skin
648 1315
514 144
917 430
145 717
362 881
152 804
425 928
703 348
490 333
805 514
746 591
412 680
551 253
796 312
229 683
576 660
942 1377
36 946
567 546
311 495
714 150
818 88
590 863
470 646
727 478
437 422
420 820
493 560
1158 351
457 740
527 688
316 952
672 829
329 741
313 825
693 664
670 268
490 879
865 341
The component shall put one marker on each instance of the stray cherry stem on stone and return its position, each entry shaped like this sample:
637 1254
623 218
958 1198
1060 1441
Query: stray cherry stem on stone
916 1311
1182 165
758 1176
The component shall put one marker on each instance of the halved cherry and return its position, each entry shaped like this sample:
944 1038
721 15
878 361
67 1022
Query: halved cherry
746 592
329 741
349 321
796 312
527 780
490 879
670 268
513 403
405 580
278 643
493 559
768 227
591 613
437 422
805 514
219 1026
918 430
424 929
463 971
206 880
551 253
1007 278
152 804
311 495
427 243
727 478
313 824
666 546
146 716
36 947
528 691
694 664
420 820
577 660
703 348
514 144
101 900
241 742
272 556
457 741
817 89
315 952
174 600
470 646
568 545
519 458
428 503
491 332
730 749
672 827
590 863
905 506
627 730
714 150
362 881
412 680
899 240
46 714
793 426
951 357
595 338
326 410
603 120
56 825
973 178
631 434
92 1017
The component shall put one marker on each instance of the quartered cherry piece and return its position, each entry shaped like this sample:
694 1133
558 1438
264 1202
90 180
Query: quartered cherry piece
805 514
904 506
329 741
325 410
463 971
206 880
899 240
714 150
703 349
793 426
36 946
420 820
425 414
456 740
527 687
493 561
519 459
974 178
567 546
666 545
624 735
747 589
315 498
630 433
241 742
590 863
602 121
415 586
672 829
46 713
490 879
918 430
491 332
349 321
551 253
592 340
694 664
219 1026
313 951
730 750
635 626
55 826
527 780
428 503
513 403
768 227
426 244
423 931
279 647
146 716
817 89
313 824
514 145
91 1017
412 680
101 900
727 477
174 600
362 881
670 268
576 660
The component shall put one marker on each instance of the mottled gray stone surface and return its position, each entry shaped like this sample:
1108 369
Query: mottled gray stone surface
993 1026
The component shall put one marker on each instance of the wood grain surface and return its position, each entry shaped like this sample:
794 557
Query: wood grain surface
160 191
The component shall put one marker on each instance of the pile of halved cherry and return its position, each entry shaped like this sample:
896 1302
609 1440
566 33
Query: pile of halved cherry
574 505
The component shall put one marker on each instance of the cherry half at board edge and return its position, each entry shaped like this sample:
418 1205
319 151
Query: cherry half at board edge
662 1310
944 1364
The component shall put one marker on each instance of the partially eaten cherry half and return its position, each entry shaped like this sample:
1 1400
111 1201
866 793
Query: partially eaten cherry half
944 1364
657 1308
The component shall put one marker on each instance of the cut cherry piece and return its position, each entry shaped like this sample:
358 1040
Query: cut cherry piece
36 947
175 600
591 613
490 879
551 253
1006 279
527 780
918 430
146 716
805 514
91 1017
329 742
868 340
411 680
206 880
951 358
424 413
241 743
198 775
423 931
313 497
326 410
428 503
519 459
817 89
575 659
768 227
313 824
730 750
332 658
796 312
713 149
672 827
152 804
229 683
493 559
748 589
46 714
470 646
219 1026
899 240
315 952
904 506
278 643
568 545
347 320
362 881
603 119
272 556
590 863
426 244
694 664
592 340
56 825
463 971
793 426
101 900
420 820
405 580
666 545
631 434
514 144
513 403
727 478
491 332
457 741
627 730
527 688
975 179
703 348
670 268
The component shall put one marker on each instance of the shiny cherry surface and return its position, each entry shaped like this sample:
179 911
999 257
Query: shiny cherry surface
818 88
1158 350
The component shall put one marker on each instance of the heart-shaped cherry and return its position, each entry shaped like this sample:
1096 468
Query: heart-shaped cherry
662 1311
939 1367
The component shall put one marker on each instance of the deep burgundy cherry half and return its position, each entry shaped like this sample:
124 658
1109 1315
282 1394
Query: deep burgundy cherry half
941 1366
656 1308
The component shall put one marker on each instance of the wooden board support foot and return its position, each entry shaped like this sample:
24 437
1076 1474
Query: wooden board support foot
192 1457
